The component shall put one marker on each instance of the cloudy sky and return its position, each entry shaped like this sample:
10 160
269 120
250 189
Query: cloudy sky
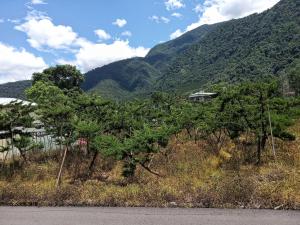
35 34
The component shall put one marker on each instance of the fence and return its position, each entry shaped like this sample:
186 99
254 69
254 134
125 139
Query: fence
38 136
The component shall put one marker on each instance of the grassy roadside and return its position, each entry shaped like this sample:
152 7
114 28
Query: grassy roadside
193 176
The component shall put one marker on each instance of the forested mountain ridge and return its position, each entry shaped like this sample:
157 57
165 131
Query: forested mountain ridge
250 48
130 77
161 55
121 78
14 89
254 47
259 45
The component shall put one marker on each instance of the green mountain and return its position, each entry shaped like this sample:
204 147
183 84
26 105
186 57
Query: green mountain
123 78
14 89
250 48
257 46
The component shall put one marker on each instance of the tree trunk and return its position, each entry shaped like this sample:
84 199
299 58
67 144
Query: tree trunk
258 150
189 132
23 155
61 136
264 141
92 164
150 171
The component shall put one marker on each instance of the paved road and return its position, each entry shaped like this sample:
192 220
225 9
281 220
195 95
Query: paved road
144 216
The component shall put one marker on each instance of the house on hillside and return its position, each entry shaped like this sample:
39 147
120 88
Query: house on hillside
6 101
202 96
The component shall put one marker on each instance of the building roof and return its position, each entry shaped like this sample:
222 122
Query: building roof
202 94
6 101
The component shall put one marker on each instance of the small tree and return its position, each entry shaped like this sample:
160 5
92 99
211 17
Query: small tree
56 111
13 115
140 130
247 108
63 76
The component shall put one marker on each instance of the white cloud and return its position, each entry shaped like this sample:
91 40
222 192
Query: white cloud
126 33
159 19
154 18
38 2
14 21
102 34
199 8
214 11
18 64
176 34
177 15
43 34
164 19
92 55
33 14
174 4
120 22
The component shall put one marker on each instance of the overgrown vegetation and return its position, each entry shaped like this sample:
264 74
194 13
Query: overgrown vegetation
235 150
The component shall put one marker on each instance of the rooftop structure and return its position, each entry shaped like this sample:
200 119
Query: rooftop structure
202 96
6 101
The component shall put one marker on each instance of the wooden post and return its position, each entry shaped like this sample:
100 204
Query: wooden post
271 129
58 180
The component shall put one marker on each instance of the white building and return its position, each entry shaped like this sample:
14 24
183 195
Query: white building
6 101
202 96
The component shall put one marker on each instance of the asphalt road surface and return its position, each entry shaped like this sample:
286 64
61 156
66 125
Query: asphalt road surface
144 216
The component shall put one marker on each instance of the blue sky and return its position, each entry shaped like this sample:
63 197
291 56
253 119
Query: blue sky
35 34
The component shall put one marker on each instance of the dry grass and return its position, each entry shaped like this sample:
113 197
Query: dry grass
193 176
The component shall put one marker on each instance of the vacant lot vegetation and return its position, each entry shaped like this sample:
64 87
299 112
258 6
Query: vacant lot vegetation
239 149
191 176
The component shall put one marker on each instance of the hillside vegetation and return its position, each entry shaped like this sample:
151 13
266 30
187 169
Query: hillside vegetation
14 89
251 48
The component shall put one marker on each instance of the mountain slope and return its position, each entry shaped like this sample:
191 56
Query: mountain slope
120 79
137 76
260 45
161 55
14 89
244 49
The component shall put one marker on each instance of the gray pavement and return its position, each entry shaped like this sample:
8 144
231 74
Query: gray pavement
144 216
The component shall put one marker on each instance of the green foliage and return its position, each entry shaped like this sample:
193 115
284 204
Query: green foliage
119 79
55 109
108 145
255 108
17 114
62 76
134 132
248 49
294 78
252 48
